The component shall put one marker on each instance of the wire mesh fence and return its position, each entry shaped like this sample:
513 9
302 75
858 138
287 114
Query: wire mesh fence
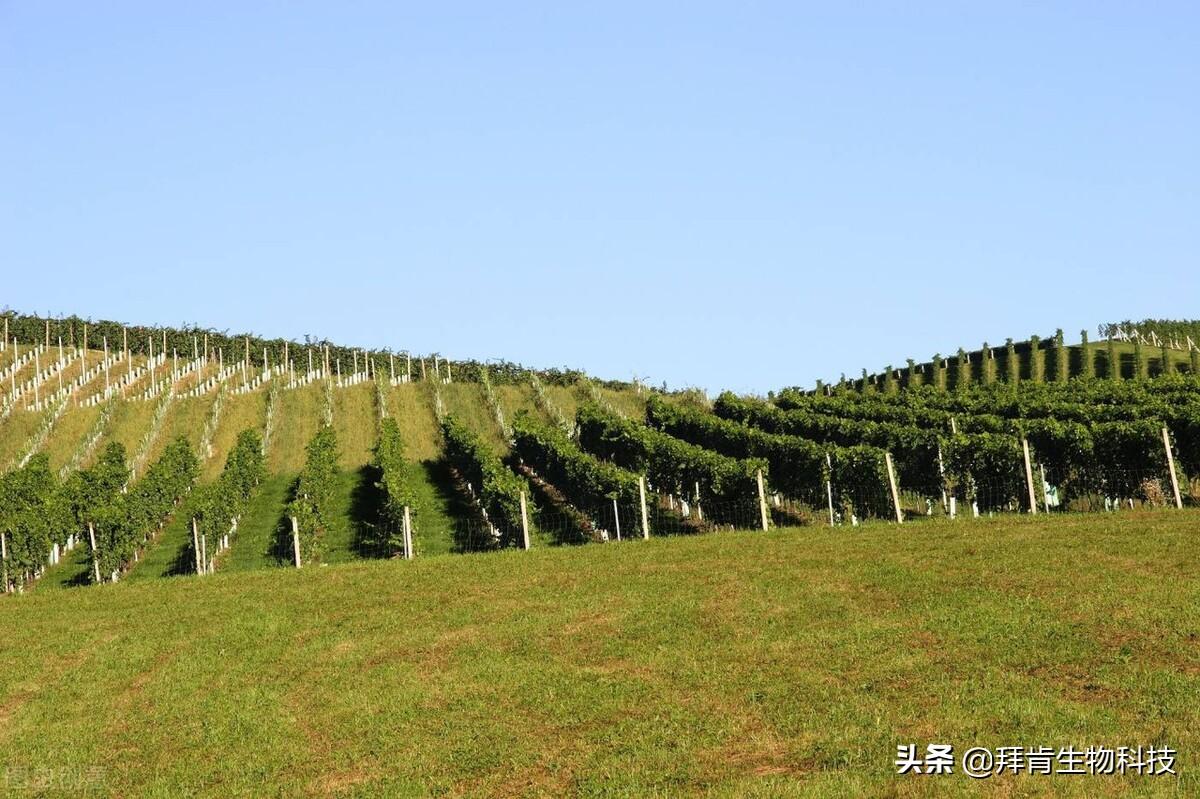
1055 492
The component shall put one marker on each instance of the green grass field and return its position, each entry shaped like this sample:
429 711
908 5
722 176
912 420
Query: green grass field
781 664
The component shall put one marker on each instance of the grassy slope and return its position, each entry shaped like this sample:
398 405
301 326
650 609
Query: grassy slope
15 434
779 664
69 434
163 557
467 402
254 545
238 413
438 506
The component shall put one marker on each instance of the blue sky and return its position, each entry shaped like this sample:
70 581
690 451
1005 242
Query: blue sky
730 195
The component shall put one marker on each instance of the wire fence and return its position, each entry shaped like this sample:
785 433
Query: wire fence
553 522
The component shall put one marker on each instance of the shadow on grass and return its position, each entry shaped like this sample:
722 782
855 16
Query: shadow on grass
366 513
466 531
281 542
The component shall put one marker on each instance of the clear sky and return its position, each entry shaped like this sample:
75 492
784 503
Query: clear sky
734 195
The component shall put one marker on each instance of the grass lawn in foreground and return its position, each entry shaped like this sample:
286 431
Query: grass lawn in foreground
777 664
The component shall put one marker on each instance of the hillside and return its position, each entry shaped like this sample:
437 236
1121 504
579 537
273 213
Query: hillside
910 574
784 664
373 457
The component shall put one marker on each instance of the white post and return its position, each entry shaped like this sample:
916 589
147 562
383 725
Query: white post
699 510
762 502
617 518
524 521
829 486
642 499
1171 466
3 539
196 544
296 541
204 552
408 542
1029 477
942 474
891 470
95 558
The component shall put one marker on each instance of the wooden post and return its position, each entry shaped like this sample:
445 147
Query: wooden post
891 470
296 541
524 522
617 518
95 555
699 510
4 541
642 499
762 502
829 486
204 553
196 544
1171 466
1029 477
1045 495
408 543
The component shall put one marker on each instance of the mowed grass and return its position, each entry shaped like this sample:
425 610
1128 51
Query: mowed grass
69 434
15 434
778 664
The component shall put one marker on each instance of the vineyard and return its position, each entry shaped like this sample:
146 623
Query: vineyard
213 484
124 461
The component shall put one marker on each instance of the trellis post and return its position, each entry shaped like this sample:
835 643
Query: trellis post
1166 436
617 518
196 543
642 500
829 486
408 547
524 522
296 542
891 470
95 555
762 502
1029 477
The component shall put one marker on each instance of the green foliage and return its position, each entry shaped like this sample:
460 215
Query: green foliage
312 501
1062 363
1012 365
31 328
939 372
1037 360
91 489
987 365
914 376
668 462
396 481
124 524
1087 365
587 481
215 506
963 377
34 514
498 489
